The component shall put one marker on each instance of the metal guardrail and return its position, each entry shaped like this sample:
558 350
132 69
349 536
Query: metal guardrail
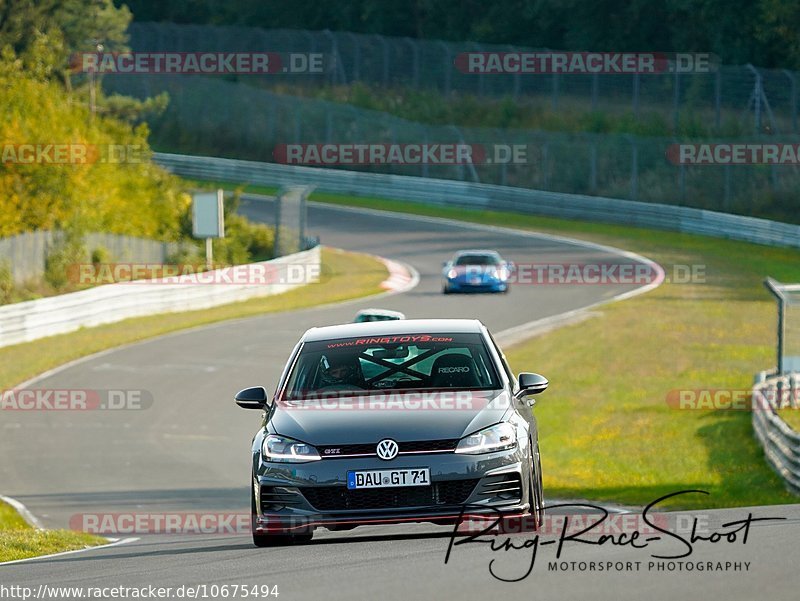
23 322
780 442
490 197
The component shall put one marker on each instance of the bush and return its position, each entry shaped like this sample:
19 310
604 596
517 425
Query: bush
68 251
244 242
6 283
100 255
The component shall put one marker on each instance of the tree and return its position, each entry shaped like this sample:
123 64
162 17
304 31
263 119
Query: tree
43 33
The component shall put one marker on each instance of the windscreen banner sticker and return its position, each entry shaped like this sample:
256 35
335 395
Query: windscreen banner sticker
404 339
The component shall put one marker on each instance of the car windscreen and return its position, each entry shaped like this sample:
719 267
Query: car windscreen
396 362
477 260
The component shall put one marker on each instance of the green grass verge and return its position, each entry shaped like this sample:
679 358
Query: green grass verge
345 276
18 540
791 417
607 432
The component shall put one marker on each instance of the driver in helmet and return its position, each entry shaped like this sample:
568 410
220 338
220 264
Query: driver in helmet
343 370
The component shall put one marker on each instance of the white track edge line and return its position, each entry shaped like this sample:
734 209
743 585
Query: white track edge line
116 543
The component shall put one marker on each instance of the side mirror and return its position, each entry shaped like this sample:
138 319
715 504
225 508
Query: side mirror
252 398
510 266
531 384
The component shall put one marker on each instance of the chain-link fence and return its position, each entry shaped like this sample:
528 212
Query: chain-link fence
764 101
220 118
239 117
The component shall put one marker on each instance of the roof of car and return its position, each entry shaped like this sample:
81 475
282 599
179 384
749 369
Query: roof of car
395 328
378 312
477 251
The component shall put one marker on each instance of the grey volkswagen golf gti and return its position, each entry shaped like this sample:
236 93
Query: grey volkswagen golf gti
392 422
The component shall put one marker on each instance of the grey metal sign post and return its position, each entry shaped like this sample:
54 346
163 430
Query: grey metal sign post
208 220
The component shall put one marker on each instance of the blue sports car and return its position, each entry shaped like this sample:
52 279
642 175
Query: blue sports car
477 271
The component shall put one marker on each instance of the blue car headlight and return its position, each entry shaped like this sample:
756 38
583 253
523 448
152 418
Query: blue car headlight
282 449
452 274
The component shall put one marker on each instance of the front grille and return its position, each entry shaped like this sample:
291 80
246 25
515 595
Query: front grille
428 446
274 498
336 498
368 449
507 487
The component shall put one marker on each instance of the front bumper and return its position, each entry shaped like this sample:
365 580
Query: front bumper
300 497
483 286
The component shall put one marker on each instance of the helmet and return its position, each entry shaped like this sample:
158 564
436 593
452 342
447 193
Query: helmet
342 368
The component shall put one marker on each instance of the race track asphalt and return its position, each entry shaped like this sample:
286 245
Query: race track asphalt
189 452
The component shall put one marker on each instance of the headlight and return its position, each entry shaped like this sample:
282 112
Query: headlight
452 274
280 448
495 438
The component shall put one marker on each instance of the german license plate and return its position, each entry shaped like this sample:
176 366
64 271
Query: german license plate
388 478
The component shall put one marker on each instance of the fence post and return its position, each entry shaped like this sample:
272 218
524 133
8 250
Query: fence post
328 125
554 87
593 167
480 75
756 96
676 99
634 167
775 289
682 182
727 197
385 46
718 99
424 164
448 67
555 92
545 165
415 59
335 59
636 95
516 88
356 57
792 97
595 84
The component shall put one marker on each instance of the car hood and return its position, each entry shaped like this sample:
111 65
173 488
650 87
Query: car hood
403 417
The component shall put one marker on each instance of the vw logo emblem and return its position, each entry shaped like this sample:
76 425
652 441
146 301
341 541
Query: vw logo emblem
387 449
